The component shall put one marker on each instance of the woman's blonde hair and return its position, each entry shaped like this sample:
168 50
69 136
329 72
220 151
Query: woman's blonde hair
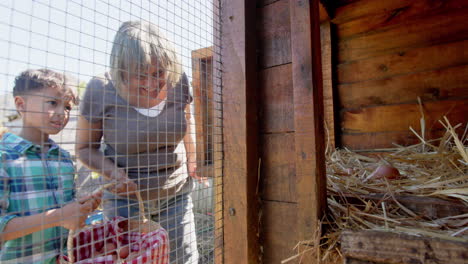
135 45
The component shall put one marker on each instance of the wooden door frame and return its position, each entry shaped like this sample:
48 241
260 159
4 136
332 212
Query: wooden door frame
240 136
241 132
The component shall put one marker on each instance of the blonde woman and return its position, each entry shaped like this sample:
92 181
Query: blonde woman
135 128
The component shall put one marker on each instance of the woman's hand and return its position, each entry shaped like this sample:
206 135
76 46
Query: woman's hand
192 171
74 214
124 185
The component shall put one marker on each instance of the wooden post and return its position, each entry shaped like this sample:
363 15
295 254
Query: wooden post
240 131
218 137
308 118
328 107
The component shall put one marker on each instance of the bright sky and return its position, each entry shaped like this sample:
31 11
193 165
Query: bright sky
76 36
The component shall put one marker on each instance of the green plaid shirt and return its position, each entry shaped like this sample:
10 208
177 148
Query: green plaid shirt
31 183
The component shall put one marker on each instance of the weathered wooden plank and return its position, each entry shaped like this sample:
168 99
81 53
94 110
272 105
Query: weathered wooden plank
276 108
427 207
410 61
278 170
217 140
358 9
327 76
278 231
394 12
324 16
276 105
358 261
388 247
202 83
431 85
274 34
401 117
261 3
273 28
381 140
308 117
240 131
425 31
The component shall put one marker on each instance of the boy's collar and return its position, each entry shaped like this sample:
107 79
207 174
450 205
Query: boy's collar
21 145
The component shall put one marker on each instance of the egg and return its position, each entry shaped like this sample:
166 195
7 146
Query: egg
385 171
124 252
109 248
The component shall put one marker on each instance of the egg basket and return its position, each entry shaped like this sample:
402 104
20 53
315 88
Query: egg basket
118 241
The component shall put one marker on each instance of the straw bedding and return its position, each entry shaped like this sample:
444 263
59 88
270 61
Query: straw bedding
362 196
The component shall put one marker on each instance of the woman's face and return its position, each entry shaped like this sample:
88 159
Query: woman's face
144 87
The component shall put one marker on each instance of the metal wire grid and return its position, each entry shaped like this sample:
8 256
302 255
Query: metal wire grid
75 38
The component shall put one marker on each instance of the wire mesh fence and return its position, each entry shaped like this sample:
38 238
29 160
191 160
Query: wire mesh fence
111 146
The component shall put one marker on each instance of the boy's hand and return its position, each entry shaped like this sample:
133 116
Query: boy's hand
75 213
124 184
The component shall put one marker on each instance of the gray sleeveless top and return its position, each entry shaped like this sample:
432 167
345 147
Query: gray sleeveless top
150 149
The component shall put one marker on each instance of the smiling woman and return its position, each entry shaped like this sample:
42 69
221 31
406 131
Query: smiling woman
152 154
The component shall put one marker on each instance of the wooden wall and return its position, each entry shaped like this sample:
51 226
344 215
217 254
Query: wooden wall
389 53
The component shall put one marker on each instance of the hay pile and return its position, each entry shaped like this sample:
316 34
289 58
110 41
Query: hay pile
361 198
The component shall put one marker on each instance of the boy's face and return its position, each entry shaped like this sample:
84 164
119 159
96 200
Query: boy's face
46 110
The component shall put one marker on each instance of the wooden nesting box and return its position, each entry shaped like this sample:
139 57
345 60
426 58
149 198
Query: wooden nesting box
302 76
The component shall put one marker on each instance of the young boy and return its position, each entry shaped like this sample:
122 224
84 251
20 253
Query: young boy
37 176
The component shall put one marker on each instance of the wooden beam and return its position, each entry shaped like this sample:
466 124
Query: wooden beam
418 32
327 69
240 131
427 207
218 183
308 117
385 118
389 247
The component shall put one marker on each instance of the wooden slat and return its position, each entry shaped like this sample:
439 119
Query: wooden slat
426 31
328 104
308 117
217 140
203 101
261 3
411 61
358 261
278 171
324 16
380 140
361 8
274 34
203 53
401 117
380 246
276 107
393 13
431 85
278 231
240 131
427 207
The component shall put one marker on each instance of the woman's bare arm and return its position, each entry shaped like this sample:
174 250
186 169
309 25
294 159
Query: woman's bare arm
88 141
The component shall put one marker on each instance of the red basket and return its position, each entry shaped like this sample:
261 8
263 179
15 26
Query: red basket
144 242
